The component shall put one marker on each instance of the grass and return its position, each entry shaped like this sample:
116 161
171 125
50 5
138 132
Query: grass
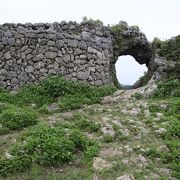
171 138
42 145
47 146
17 118
69 95
62 149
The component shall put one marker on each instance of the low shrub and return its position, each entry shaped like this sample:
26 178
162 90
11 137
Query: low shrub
72 95
3 106
108 138
170 158
73 102
17 118
137 95
91 151
14 165
84 124
47 146
169 87
4 130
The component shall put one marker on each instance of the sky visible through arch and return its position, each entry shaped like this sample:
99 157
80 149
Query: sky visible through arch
128 70
156 18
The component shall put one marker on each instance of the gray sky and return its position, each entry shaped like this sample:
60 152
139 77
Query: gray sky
156 18
128 70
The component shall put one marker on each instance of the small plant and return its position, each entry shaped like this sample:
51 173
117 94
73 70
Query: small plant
108 138
97 21
16 164
83 123
137 95
72 102
119 136
4 130
17 118
3 106
47 146
91 151
169 87
44 109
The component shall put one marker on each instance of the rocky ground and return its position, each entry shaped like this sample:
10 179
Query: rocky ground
129 132
128 136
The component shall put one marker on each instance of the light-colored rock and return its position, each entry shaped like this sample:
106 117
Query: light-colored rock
111 152
163 148
126 177
159 115
100 164
50 55
67 115
29 69
140 161
125 132
8 156
161 131
108 130
164 171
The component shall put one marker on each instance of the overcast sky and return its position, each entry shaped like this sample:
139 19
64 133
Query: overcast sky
156 18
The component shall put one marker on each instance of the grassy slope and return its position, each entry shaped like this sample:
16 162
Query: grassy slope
142 138
145 139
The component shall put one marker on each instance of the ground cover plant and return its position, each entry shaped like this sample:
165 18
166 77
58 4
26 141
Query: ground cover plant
40 143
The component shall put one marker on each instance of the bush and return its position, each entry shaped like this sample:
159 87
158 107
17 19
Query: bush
34 94
4 130
47 146
73 102
108 138
137 95
17 118
96 22
3 106
169 87
72 95
17 164
91 151
85 124
170 49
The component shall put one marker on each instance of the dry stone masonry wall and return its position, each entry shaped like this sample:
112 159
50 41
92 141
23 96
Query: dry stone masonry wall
30 52
85 52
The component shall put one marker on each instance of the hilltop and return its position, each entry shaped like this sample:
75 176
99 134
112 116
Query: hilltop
61 129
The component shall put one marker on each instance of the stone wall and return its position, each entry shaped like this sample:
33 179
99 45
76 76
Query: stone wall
30 52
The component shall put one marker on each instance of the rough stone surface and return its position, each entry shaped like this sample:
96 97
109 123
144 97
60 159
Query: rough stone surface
126 177
81 52
28 53
100 164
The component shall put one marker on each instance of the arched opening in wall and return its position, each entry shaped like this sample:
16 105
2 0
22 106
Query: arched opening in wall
128 71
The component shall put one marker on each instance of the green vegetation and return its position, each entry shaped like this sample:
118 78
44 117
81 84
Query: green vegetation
169 87
39 143
137 95
47 146
143 80
168 92
97 21
72 95
117 31
170 49
171 121
17 118
86 125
